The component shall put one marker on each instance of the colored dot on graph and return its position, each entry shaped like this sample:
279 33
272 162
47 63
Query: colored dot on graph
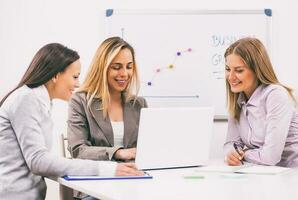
178 53
149 83
189 49
158 70
171 66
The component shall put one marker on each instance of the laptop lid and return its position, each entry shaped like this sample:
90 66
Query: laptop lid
174 137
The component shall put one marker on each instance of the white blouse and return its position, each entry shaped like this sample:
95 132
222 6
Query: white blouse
118 130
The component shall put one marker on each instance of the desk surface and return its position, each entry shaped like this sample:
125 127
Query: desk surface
171 184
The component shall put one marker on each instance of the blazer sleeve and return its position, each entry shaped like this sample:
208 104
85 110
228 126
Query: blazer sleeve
26 119
78 133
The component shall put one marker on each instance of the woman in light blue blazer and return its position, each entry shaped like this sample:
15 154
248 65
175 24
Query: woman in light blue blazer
26 128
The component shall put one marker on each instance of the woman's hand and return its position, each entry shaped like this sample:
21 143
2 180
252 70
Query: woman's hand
233 158
127 169
125 154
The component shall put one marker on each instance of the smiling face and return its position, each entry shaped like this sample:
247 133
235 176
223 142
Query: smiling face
67 81
120 71
239 76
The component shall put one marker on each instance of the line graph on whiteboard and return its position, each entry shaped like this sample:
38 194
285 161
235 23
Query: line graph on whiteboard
165 80
174 79
159 70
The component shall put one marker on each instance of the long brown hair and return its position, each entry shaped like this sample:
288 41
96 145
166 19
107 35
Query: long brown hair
47 63
255 56
96 81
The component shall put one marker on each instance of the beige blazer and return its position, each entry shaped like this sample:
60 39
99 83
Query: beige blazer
90 136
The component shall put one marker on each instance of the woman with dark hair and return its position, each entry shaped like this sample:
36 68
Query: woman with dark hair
263 122
26 128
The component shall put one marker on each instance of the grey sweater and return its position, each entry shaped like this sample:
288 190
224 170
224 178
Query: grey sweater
25 140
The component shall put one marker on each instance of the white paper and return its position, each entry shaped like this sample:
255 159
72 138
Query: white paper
245 169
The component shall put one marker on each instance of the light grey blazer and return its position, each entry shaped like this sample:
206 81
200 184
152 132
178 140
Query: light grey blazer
90 135
25 139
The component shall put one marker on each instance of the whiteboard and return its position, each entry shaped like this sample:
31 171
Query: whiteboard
180 53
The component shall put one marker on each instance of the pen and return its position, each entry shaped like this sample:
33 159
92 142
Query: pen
237 150
146 173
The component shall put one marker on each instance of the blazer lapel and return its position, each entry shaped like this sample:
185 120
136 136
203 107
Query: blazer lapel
104 124
130 124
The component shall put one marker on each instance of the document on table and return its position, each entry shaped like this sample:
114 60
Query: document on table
85 178
244 169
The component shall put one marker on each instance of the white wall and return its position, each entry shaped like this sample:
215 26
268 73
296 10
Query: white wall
26 25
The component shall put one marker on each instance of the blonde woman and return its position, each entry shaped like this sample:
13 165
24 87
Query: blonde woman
104 114
263 122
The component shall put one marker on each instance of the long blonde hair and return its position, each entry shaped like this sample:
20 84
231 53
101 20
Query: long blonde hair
255 56
96 81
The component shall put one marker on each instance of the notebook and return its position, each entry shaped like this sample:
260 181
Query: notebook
89 178
174 137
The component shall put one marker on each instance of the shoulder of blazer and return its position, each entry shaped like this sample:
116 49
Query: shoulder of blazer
137 100
78 99
82 97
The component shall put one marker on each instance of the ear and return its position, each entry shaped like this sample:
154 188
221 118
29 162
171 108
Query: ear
55 78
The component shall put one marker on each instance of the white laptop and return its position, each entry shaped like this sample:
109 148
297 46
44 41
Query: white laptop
174 137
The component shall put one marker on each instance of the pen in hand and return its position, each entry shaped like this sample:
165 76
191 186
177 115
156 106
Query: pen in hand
238 151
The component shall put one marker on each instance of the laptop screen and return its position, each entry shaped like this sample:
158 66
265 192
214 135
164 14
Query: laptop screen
174 137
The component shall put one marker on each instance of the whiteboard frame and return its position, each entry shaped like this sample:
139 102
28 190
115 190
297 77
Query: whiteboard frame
267 12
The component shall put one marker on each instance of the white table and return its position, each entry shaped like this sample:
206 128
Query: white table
171 184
